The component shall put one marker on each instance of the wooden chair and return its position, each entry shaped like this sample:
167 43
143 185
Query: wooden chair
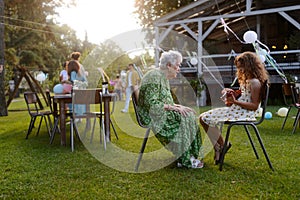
134 98
296 104
289 99
34 110
87 98
100 116
82 99
245 124
54 114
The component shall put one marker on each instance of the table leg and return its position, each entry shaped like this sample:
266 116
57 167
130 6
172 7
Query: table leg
106 120
62 123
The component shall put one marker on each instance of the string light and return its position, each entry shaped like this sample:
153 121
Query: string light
32 29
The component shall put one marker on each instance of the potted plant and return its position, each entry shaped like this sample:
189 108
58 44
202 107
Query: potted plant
200 90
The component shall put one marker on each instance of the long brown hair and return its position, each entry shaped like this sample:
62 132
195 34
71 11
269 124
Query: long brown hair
73 65
250 66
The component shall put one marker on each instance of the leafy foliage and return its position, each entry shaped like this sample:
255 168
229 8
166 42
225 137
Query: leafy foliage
34 39
150 10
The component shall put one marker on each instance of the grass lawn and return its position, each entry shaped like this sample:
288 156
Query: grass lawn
34 169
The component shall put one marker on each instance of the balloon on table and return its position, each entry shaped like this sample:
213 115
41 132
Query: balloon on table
268 115
58 89
67 88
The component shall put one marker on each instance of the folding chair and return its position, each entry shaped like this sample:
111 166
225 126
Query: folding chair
35 111
289 99
134 98
245 124
55 115
85 98
100 116
296 104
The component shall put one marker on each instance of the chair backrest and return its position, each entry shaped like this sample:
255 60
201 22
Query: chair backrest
288 94
135 97
49 99
295 94
84 102
264 100
86 96
114 99
31 102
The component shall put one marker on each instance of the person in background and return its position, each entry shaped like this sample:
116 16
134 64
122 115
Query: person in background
75 72
174 125
63 75
118 87
132 81
76 56
251 74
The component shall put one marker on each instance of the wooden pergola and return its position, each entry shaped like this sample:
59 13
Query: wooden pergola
201 21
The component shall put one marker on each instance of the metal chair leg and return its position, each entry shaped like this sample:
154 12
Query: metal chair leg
251 141
263 147
30 127
112 125
72 134
296 121
222 157
142 149
54 130
285 118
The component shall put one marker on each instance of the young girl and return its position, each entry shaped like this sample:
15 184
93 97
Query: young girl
251 74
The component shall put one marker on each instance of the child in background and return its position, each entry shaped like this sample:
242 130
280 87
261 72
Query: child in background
63 75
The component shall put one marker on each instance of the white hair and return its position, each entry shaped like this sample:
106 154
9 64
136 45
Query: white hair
169 57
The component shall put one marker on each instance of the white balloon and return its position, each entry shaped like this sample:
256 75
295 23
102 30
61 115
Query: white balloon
282 112
41 77
262 58
263 52
194 61
250 37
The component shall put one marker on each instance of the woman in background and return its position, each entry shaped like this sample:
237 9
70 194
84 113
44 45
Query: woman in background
74 71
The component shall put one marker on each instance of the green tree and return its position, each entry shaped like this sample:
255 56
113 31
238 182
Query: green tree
3 109
34 39
107 56
149 10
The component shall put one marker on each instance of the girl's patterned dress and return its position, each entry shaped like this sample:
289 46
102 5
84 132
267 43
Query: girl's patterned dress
232 113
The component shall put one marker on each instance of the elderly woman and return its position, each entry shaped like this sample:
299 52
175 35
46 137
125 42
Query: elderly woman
175 126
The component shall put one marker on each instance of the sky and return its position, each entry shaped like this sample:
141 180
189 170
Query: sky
102 19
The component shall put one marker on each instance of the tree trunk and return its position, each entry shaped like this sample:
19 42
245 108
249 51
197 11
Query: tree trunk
3 107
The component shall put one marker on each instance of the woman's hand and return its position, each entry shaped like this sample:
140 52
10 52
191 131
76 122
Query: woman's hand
182 109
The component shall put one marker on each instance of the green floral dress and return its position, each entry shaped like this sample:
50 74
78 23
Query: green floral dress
179 134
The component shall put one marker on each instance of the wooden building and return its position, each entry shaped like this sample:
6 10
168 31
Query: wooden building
215 30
